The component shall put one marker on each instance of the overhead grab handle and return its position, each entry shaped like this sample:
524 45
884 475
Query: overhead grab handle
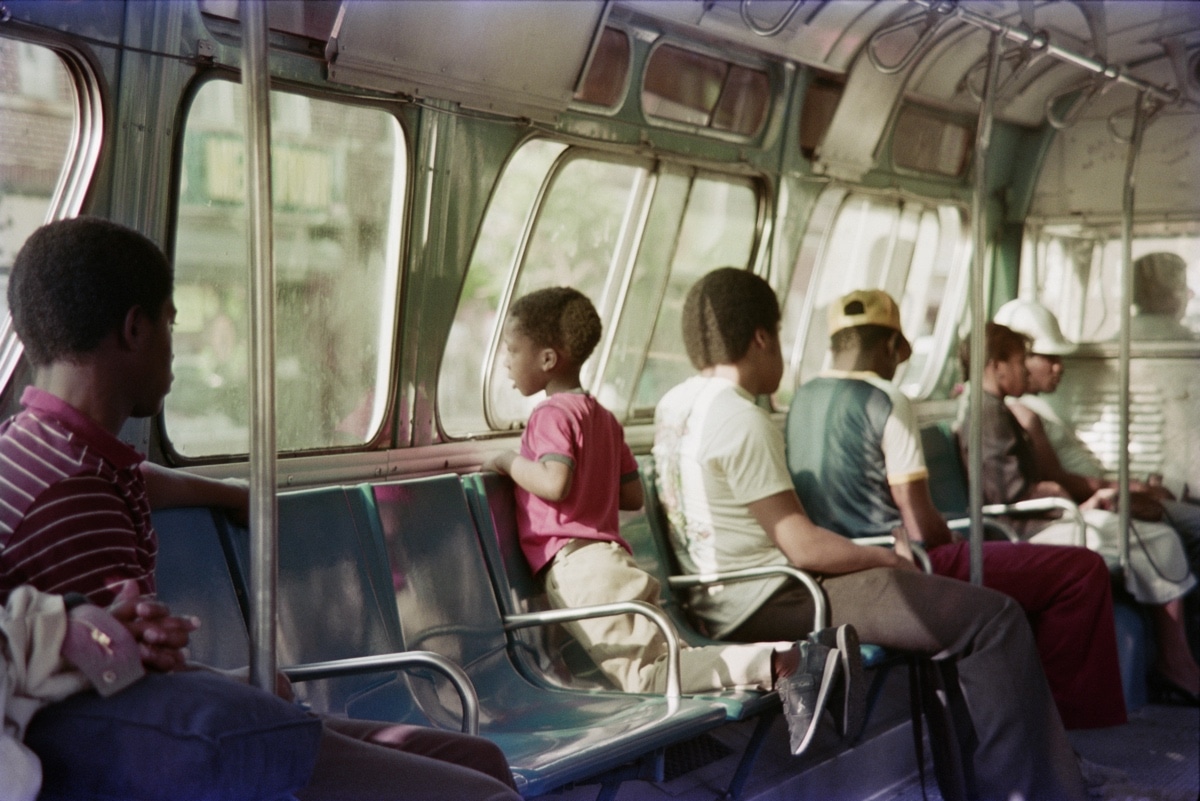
1016 60
1150 107
1061 120
932 19
755 28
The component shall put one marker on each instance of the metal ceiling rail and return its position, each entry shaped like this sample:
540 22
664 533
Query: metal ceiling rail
951 8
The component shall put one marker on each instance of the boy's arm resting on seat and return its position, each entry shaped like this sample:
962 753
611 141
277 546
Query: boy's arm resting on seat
548 479
632 496
167 487
810 547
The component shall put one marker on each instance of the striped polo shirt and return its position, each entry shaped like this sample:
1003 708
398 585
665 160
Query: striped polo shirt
74 515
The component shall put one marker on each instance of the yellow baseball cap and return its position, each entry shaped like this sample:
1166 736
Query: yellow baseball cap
865 307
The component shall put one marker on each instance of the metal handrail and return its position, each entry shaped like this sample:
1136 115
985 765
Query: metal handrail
937 12
1043 505
314 671
888 541
260 257
820 607
1022 35
656 615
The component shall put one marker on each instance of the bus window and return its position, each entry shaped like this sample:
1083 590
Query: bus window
696 89
1077 273
39 115
632 236
906 248
580 238
718 230
338 186
605 81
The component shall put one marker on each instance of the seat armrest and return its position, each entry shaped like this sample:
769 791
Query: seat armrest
888 541
820 608
388 662
655 614
964 524
1042 505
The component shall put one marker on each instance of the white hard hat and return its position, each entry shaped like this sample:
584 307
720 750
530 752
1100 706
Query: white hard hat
1036 322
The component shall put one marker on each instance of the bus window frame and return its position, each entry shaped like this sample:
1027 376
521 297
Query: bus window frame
605 308
811 262
79 166
379 438
730 59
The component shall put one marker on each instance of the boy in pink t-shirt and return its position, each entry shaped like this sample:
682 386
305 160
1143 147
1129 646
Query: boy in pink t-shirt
573 473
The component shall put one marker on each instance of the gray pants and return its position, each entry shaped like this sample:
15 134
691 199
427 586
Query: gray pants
1009 733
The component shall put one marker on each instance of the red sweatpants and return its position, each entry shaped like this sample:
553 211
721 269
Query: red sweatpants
1067 595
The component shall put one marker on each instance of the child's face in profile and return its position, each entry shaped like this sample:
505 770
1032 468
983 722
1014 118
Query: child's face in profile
526 360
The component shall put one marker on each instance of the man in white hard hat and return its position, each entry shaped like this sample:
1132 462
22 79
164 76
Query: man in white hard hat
1066 457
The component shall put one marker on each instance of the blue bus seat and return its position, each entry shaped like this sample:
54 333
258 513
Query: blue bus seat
947 479
551 736
194 578
493 504
329 610
647 534
546 653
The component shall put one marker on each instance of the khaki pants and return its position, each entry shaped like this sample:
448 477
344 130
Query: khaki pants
629 649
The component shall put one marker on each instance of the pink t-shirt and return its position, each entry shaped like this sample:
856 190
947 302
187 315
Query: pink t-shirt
573 428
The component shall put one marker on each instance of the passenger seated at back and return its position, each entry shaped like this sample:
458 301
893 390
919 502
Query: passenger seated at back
92 303
1068 460
1160 298
854 452
1157 574
572 475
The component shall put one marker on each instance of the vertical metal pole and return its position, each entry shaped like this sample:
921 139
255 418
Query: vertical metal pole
263 545
979 230
1135 145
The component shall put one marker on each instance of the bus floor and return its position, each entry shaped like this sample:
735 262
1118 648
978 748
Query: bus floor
1154 757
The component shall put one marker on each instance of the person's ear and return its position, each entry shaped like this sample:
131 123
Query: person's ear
132 327
549 359
763 338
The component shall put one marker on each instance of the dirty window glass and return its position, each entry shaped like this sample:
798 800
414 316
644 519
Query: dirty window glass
338 184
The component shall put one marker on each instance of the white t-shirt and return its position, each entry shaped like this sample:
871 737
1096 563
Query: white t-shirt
1073 454
716 452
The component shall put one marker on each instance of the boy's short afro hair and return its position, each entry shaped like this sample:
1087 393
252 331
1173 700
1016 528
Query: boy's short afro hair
721 313
73 282
559 317
1000 343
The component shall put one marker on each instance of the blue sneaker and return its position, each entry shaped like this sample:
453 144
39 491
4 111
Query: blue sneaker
806 692
852 683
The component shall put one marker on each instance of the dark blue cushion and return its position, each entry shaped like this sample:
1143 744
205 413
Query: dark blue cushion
194 736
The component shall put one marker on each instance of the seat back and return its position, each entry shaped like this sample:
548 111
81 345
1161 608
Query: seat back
647 534
331 593
546 653
947 479
194 578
